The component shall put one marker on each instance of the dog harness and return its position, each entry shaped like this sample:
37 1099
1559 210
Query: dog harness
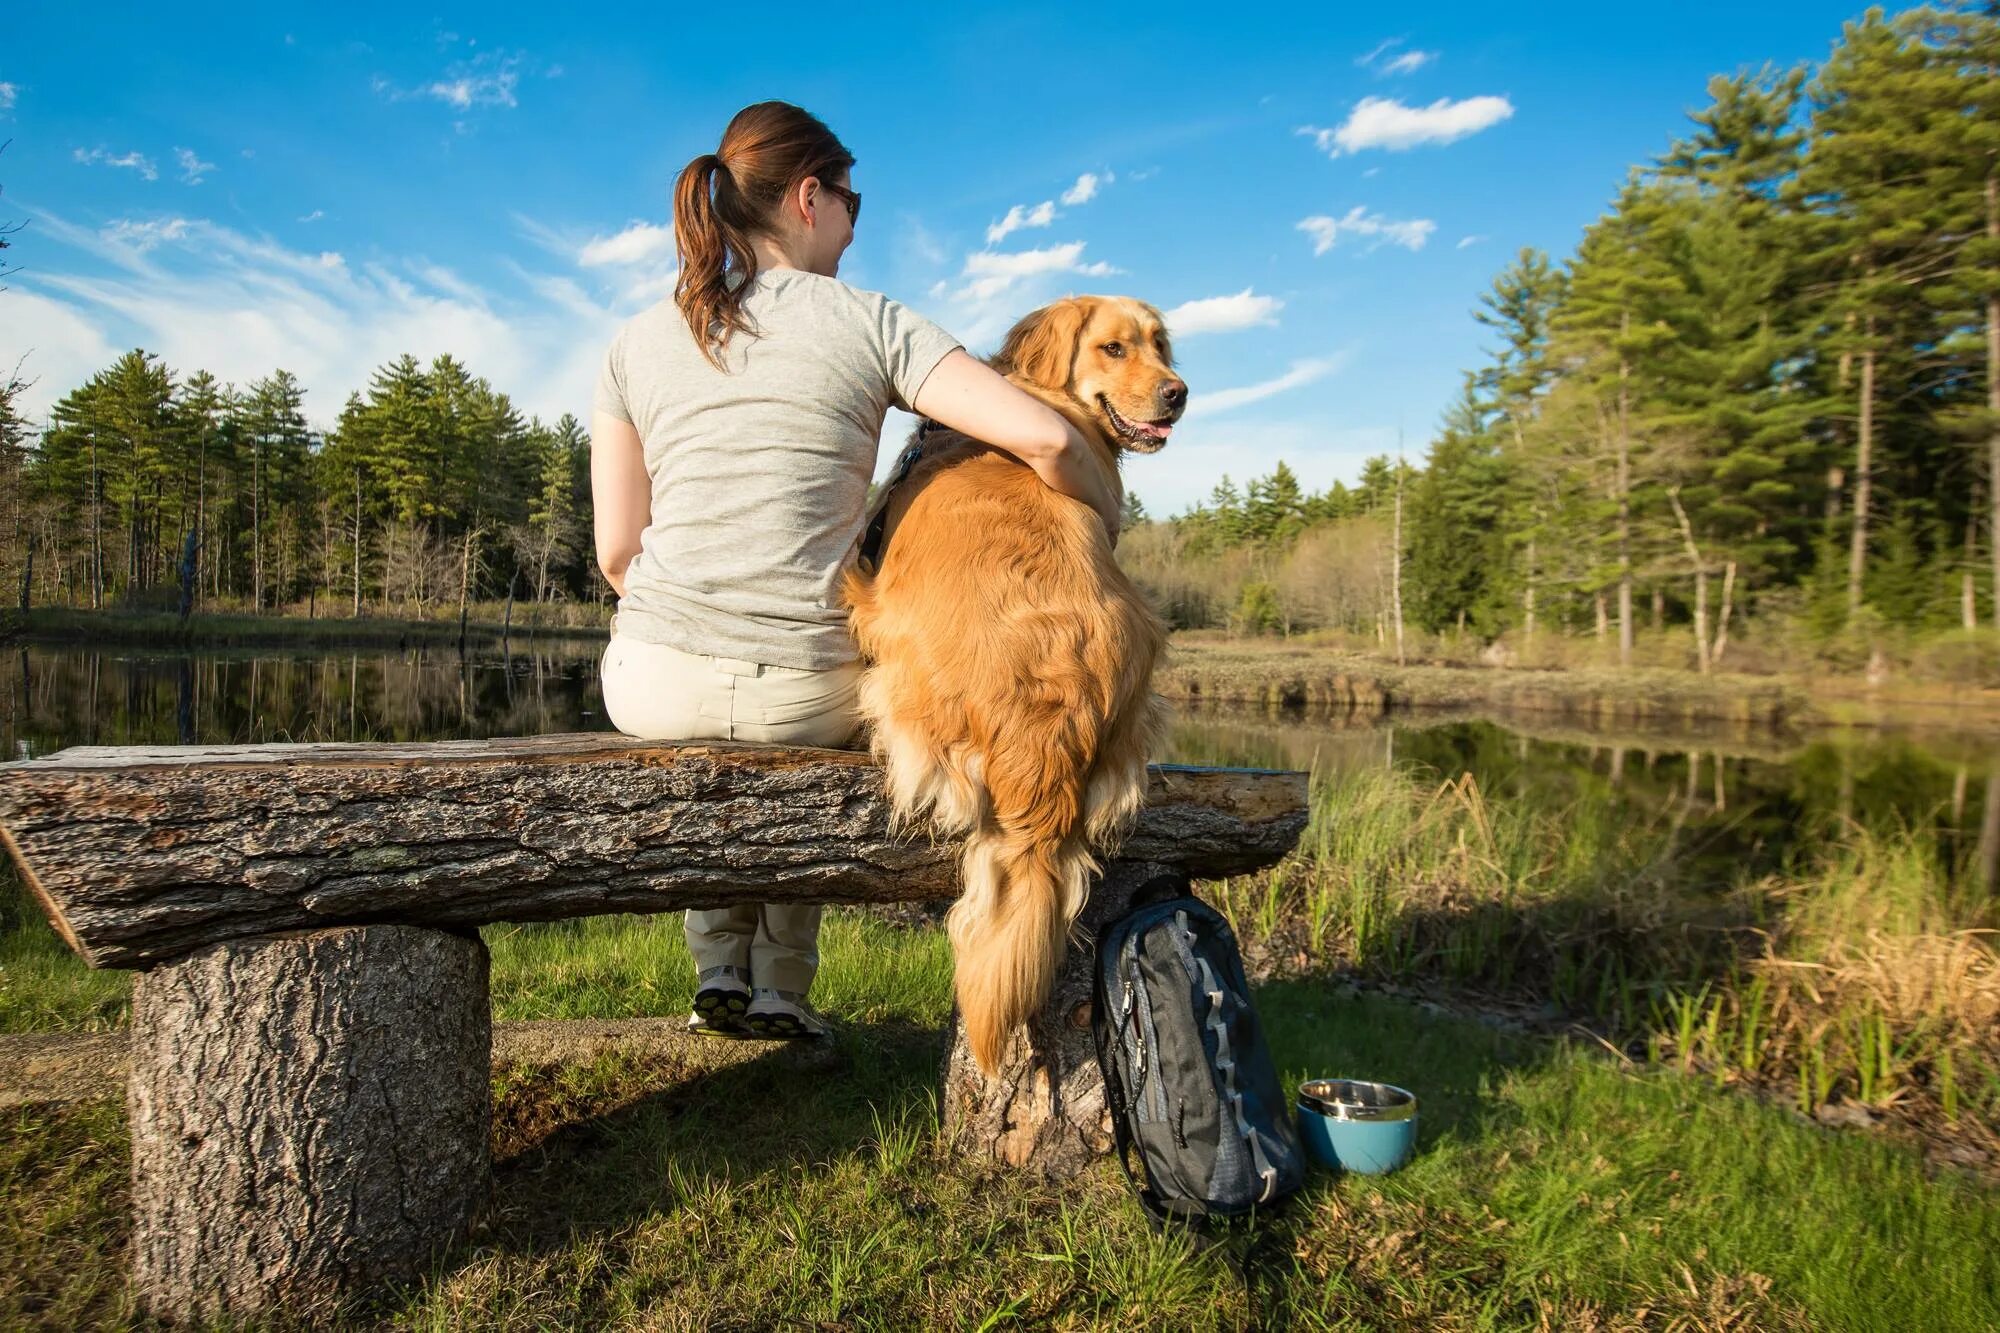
874 538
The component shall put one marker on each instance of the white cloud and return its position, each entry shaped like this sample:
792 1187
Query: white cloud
640 260
1086 188
313 216
1465 241
1407 62
1023 216
1384 122
992 274
488 79
133 161
639 243
1020 216
922 243
1299 373
203 295
8 94
143 236
1380 49
192 167
1223 314
1380 231
56 347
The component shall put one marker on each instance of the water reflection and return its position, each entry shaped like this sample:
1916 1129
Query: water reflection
57 697
1753 796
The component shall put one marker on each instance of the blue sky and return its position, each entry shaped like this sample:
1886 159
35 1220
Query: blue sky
1317 196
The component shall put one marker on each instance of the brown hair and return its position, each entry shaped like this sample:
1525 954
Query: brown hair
725 197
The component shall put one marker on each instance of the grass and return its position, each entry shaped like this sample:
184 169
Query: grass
1553 1189
1863 970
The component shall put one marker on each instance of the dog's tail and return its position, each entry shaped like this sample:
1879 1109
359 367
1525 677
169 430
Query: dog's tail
1026 874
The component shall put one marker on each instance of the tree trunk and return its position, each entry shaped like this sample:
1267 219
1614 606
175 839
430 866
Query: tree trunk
1603 616
1624 513
357 543
1993 400
96 530
1528 597
1864 448
464 583
1722 615
1396 570
1701 648
1045 1109
309 1117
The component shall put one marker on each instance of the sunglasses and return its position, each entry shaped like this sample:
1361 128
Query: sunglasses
852 198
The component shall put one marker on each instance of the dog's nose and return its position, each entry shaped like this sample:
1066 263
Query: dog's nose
1173 393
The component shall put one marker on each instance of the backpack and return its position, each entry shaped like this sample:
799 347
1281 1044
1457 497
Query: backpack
1187 1077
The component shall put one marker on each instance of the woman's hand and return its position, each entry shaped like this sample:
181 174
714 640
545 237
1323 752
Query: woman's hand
970 396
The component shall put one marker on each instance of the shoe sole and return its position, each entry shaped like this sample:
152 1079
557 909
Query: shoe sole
720 1012
778 1027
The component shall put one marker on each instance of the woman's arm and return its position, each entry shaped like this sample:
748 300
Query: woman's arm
968 395
621 494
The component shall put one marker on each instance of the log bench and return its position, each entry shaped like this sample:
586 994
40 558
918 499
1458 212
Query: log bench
311 1031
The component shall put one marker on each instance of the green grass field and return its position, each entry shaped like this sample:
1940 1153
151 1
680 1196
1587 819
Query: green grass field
1554 1187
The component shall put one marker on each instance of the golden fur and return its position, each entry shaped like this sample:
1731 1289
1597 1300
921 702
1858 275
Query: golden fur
1011 660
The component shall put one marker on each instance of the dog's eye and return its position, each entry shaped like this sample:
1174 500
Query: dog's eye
1114 350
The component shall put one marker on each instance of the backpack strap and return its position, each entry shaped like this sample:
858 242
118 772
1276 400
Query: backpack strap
1115 1101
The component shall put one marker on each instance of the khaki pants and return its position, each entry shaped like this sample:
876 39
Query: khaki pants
659 693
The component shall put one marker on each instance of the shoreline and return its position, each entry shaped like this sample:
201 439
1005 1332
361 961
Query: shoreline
1348 682
242 630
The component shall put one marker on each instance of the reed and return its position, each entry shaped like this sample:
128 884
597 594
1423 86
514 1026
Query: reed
1864 970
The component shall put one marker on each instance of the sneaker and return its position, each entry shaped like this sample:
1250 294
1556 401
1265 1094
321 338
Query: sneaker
720 1002
780 1015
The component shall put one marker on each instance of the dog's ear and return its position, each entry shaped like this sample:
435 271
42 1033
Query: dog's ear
1042 347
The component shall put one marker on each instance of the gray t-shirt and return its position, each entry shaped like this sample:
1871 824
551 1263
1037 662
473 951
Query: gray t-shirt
760 474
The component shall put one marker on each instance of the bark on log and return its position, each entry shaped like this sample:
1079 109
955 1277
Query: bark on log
309 1116
1045 1109
143 855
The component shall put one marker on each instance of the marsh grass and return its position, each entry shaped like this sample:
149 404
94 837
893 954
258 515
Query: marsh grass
1865 969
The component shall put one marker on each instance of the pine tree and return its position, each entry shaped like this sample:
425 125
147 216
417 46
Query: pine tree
1866 191
1456 569
1520 307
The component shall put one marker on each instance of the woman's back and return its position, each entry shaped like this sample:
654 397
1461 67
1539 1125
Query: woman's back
760 469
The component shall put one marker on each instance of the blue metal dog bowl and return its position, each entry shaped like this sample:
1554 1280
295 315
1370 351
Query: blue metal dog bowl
1353 1125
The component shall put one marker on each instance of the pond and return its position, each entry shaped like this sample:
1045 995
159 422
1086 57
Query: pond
1745 797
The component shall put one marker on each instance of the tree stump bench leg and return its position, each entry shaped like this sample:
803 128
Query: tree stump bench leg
309 1116
1045 1110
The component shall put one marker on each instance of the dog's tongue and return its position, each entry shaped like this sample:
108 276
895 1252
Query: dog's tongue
1157 429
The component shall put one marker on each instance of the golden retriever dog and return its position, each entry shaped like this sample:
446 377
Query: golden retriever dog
1010 661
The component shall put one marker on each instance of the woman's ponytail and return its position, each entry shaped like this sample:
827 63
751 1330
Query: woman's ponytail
721 199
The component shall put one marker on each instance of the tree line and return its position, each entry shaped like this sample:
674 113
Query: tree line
149 488
1766 383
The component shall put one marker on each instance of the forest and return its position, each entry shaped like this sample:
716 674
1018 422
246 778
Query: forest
1762 393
